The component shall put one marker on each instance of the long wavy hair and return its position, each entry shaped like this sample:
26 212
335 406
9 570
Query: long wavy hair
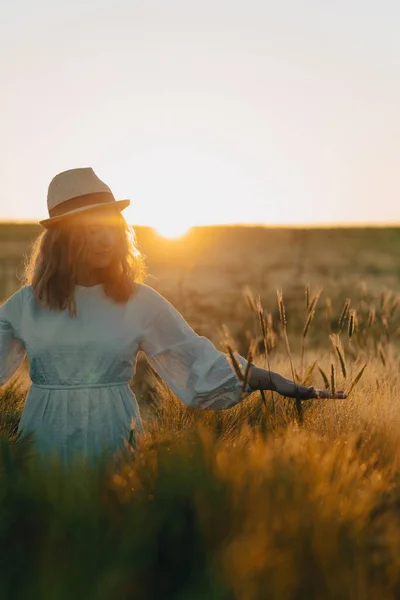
52 264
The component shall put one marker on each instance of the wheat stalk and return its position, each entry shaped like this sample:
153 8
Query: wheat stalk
344 313
308 292
324 377
352 324
356 379
249 359
264 330
250 298
237 367
382 356
311 312
342 363
282 314
333 386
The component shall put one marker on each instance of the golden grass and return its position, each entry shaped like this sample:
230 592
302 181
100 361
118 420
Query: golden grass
310 510
272 499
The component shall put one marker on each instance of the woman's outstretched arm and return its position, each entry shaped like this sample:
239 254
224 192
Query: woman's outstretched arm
195 370
261 379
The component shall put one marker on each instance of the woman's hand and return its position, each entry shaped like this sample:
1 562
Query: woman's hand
339 394
261 379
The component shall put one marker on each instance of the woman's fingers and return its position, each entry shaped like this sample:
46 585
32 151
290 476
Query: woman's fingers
339 394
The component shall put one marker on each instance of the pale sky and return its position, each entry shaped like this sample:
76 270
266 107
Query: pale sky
205 112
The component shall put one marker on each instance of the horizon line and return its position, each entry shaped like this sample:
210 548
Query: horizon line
343 224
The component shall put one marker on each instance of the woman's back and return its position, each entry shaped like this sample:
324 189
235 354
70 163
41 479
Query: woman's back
81 366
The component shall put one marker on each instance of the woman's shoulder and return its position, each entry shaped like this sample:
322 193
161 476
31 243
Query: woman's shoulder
15 302
152 304
145 292
149 299
18 296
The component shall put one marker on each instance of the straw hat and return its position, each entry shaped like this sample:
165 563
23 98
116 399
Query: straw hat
75 191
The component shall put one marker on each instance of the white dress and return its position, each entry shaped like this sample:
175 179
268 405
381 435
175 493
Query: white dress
80 400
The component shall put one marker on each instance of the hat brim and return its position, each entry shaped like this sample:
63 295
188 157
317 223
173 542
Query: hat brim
119 204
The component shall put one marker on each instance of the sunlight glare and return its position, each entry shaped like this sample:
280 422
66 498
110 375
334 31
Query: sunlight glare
172 230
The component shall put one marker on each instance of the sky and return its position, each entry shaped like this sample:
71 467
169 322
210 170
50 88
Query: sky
211 112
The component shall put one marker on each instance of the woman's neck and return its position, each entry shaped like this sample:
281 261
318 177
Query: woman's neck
89 279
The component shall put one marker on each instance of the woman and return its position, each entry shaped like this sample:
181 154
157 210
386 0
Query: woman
81 319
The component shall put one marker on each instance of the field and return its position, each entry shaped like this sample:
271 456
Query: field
264 501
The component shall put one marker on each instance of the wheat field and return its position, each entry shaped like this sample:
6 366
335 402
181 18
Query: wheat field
269 500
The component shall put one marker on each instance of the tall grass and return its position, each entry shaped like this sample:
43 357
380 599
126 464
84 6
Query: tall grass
272 499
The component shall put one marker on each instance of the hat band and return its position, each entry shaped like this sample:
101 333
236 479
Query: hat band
81 201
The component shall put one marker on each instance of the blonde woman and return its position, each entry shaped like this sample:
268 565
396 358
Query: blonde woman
81 319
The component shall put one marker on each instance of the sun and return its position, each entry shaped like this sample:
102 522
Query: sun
172 230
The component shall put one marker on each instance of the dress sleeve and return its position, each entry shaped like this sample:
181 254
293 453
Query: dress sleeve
199 374
12 348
